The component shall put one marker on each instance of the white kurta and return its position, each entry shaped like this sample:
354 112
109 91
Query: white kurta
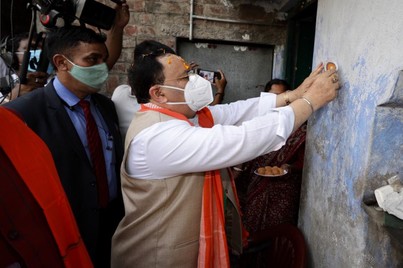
243 130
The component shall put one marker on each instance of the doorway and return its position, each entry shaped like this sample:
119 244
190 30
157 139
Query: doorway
300 43
247 67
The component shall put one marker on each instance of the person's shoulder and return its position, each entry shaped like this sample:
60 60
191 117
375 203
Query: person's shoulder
3 68
122 91
102 100
32 98
100 97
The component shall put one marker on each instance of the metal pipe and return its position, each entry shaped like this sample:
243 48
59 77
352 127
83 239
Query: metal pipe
234 21
191 17
191 21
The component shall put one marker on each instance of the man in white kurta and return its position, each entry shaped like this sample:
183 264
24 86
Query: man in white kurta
167 154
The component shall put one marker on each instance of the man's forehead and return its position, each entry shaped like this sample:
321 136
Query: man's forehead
86 49
174 61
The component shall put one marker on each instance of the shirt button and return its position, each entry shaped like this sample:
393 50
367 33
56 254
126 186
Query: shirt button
13 235
93 184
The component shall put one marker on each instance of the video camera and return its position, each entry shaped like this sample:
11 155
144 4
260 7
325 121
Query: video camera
55 13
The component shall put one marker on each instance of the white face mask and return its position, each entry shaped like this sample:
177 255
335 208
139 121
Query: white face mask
198 93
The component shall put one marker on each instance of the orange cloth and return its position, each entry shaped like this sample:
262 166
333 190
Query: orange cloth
213 249
25 150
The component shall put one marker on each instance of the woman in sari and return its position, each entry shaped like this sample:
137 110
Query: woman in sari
269 201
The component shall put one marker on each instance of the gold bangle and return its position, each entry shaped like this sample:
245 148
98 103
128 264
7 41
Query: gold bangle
309 102
218 93
286 99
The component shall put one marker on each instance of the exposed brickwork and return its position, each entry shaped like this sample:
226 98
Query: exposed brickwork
164 21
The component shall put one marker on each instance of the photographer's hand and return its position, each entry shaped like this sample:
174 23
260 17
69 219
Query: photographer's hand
193 66
114 38
122 15
220 84
34 80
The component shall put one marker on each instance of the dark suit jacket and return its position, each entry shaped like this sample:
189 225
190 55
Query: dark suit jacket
44 112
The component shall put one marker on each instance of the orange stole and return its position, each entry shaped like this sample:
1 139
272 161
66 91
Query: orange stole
213 248
45 186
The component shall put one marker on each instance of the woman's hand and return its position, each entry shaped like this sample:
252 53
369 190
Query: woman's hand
286 167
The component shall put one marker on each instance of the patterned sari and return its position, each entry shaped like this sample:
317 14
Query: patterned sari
269 201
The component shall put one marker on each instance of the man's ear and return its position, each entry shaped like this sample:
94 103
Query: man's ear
60 62
157 95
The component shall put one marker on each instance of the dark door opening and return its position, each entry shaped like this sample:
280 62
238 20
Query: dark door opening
300 43
247 67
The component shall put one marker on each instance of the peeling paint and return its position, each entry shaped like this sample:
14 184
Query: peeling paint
355 142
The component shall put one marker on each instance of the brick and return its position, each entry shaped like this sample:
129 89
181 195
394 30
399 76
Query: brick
166 20
146 19
136 6
131 30
146 30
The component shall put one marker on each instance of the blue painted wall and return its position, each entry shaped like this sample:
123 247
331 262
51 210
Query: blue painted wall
355 143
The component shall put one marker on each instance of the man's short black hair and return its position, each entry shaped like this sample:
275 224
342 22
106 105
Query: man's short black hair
62 40
277 81
146 70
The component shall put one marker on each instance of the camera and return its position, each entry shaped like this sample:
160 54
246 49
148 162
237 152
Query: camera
208 75
56 13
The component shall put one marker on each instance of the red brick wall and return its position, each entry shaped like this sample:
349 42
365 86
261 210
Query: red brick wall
163 21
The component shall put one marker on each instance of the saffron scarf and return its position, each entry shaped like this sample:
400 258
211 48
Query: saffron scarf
213 249
44 185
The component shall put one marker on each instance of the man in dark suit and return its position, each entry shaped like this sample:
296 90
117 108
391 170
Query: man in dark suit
61 114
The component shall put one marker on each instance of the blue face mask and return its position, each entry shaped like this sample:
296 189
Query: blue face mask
94 76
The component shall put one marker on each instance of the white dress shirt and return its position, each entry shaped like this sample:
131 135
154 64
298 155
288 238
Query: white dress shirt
126 105
243 130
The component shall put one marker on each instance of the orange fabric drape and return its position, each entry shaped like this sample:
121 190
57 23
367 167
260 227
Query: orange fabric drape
213 248
34 163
